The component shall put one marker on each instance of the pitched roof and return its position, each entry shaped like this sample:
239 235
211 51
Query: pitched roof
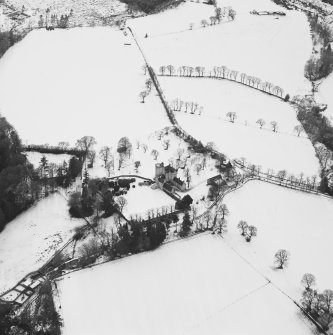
167 187
169 168
178 181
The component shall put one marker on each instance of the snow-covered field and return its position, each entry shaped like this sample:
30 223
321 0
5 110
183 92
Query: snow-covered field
195 286
268 149
33 237
298 222
273 49
173 20
64 84
219 97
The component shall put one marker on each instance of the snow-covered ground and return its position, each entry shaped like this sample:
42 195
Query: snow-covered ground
268 149
35 157
274 49
172 20
219 97
33 237
195 286
298 222
64 84
143 198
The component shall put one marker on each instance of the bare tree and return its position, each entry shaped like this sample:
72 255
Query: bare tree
155 153
187 175
204 23
166 144
109 166
232 116
86 143
281 258
243 77
274 125
171 69
198 168
105 154
143 95
309 298
324 156
180 152
298 129
144 147
261 123
242 226
221 226
250 232
308 281
121 202
144 68
63 145
149 84
162 70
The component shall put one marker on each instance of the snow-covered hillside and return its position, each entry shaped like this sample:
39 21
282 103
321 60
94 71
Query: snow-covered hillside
196 286
29 240
64 84
286 219
272 48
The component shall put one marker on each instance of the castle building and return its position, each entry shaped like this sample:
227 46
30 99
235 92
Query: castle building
166 178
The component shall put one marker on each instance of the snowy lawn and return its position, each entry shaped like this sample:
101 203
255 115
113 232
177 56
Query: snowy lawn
195 286
273 49
33 237
298 222
142 198
268 149
64 84
35 157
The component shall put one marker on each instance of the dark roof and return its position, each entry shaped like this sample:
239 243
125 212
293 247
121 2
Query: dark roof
169 168
161 178
215 178
167 187
178 181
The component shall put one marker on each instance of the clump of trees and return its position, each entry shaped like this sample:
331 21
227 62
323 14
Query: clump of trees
318 305
247 231
187 107
321 64
8 39
20 184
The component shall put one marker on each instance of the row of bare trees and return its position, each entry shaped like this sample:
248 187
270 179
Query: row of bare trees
147 90
222 72
186 106
221 14
282 176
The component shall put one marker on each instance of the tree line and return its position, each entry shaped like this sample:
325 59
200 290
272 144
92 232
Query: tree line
320 131
318 304
21 185
222 72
